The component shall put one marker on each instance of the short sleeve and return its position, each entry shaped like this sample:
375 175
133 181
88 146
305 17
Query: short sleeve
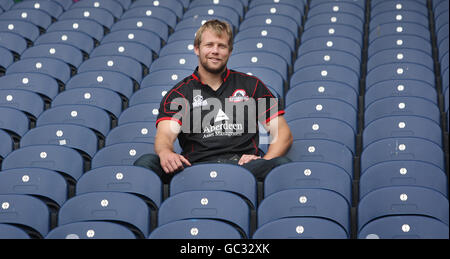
173 106
269 107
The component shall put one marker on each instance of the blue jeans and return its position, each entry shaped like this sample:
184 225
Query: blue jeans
259 167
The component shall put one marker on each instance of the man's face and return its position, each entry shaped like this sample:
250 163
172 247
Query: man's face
213 52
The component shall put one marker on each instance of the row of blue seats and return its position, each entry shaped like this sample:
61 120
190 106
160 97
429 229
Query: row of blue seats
122 190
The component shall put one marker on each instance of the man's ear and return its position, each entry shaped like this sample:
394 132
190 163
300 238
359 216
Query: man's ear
196 50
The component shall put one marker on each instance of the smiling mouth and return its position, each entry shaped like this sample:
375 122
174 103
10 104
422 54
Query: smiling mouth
214 59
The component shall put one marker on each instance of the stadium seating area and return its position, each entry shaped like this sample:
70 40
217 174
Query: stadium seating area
364 84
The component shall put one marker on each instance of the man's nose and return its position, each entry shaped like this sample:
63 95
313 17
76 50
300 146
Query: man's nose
215 49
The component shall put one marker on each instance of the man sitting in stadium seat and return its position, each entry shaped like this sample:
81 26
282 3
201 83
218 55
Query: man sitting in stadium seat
214 113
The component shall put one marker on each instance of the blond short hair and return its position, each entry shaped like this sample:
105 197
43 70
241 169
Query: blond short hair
217 26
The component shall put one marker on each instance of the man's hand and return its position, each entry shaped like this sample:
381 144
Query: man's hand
171 162
247 158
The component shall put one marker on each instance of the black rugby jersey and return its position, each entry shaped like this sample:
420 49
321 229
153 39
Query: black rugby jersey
219 123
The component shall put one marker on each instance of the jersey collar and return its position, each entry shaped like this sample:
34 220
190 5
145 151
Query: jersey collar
225 75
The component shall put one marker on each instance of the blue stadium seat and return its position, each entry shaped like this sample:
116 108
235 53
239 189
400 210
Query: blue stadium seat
185 34
178 47
13 42
391 106
400 71
260 59
174 5
301 228
299 175
25 29
197 21
216 177
331 18
264 30
327 57
402 126
119 207
405 149
54 9
50 66
337 43
399 29
25 210
104 98
144 23
7 145
10 231
140 112
67 53
126 65
150 94
112 6
34 16
219 205
402 200
58 158
147 38
74 136
14 120
132 132
39 182
334 30
270 45
337 7
399 56
318 150
399 42
112 80
271 20
165 77
218 10
402 173
44 85
100 15
160 12
324 89
404 227
386 6
397 16
195 229
323 128
91 230
125 153
81 114
131 179
175 61
77 39
90 27
360 3
323 108
319 73
27 101
278 9
399 88
299 5
236 5
299 203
